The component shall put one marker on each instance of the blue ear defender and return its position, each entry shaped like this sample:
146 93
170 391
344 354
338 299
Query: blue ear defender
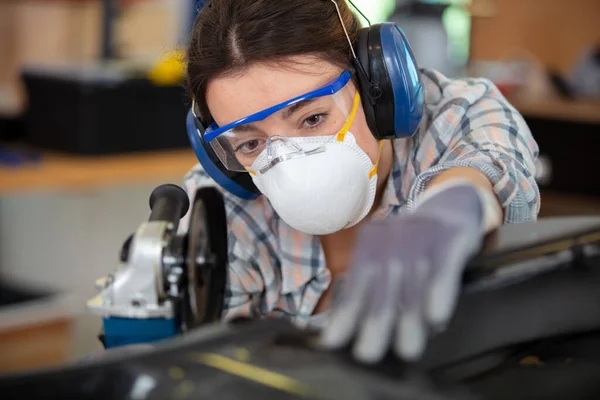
389 80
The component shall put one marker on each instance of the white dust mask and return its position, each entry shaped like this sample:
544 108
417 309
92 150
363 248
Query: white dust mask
317 185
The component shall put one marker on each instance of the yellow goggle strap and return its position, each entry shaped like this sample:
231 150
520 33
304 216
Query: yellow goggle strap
374 170
342 133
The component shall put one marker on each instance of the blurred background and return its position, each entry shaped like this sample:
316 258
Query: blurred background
92 119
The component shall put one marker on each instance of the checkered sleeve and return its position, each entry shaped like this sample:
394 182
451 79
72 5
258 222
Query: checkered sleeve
243 289
473 125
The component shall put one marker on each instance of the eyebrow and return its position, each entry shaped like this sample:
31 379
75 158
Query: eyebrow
296 107
247 128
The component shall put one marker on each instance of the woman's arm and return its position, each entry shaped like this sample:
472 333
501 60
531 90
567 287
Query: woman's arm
490 146
474 163
465 173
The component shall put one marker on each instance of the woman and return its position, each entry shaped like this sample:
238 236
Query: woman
387 177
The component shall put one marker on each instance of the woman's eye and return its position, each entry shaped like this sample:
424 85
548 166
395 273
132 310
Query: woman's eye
313 121
249 146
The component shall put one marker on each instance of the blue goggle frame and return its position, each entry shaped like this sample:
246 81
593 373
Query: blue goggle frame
335 86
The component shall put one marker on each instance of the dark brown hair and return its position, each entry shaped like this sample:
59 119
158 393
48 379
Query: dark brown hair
230 35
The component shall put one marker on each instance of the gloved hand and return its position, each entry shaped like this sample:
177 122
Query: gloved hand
406 272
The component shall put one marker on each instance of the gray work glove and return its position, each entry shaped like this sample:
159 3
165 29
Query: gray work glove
406 273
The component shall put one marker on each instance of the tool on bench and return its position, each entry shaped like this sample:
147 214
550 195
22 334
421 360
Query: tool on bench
168 282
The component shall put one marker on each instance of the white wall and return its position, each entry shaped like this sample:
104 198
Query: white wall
66 240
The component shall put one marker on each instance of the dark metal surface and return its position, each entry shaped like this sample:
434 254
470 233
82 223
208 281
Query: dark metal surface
550 304
518 243
271 359
237 362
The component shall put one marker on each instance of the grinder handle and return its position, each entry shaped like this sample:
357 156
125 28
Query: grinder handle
168 203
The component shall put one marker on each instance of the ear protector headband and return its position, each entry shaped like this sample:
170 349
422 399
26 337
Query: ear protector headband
389 84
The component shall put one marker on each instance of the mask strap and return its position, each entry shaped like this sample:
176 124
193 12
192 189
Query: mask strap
342 133
374 170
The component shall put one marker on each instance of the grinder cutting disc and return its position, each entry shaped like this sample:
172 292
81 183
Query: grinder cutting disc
206 259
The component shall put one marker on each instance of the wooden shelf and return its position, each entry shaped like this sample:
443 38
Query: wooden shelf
552 108
64 172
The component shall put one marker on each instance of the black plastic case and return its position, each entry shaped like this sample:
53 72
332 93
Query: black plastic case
98 112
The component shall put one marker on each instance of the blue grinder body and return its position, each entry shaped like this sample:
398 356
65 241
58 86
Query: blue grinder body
126 331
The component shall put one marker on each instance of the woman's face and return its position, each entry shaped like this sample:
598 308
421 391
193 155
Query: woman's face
261 86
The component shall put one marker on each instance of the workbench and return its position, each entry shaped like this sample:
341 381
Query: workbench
67 172
558 109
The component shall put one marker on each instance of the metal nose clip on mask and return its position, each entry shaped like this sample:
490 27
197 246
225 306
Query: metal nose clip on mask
317 185
273 159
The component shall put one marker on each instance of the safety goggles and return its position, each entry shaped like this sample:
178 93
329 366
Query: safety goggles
326 111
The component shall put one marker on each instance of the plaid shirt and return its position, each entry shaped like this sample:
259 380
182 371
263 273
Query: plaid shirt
276 270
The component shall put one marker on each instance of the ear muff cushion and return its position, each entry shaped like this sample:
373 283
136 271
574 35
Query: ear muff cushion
364 83
238 183
404 80
362 50
384 106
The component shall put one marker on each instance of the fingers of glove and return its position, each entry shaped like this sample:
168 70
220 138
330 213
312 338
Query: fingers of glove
342 323
445 286
376 329
370 246
411 330
349 303
411 335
